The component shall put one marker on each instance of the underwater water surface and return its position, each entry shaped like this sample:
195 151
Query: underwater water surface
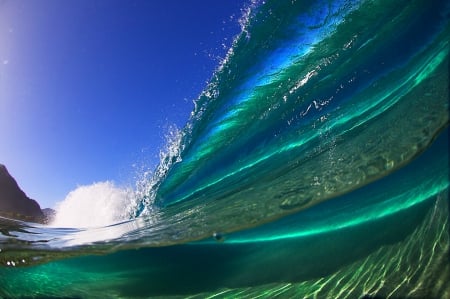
315 164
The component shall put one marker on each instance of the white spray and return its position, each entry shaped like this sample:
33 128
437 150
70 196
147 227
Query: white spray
94 205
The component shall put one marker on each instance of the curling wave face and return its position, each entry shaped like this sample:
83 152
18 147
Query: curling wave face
314 100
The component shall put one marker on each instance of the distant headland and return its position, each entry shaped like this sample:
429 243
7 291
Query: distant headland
15 204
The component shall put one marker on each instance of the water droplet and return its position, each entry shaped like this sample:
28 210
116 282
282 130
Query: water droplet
218 237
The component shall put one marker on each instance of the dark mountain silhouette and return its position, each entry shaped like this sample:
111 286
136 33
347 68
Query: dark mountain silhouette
49 214
14 203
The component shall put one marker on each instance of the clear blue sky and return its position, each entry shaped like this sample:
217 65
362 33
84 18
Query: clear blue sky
88 88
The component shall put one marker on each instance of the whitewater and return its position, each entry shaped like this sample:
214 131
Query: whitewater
99 204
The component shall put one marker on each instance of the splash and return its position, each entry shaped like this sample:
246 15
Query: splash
95 205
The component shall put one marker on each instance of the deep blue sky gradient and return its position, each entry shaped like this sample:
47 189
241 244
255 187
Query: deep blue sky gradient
90 88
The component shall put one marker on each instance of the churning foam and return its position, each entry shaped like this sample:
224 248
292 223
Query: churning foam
95 205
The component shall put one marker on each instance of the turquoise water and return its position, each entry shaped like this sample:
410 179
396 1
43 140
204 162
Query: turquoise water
315 163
